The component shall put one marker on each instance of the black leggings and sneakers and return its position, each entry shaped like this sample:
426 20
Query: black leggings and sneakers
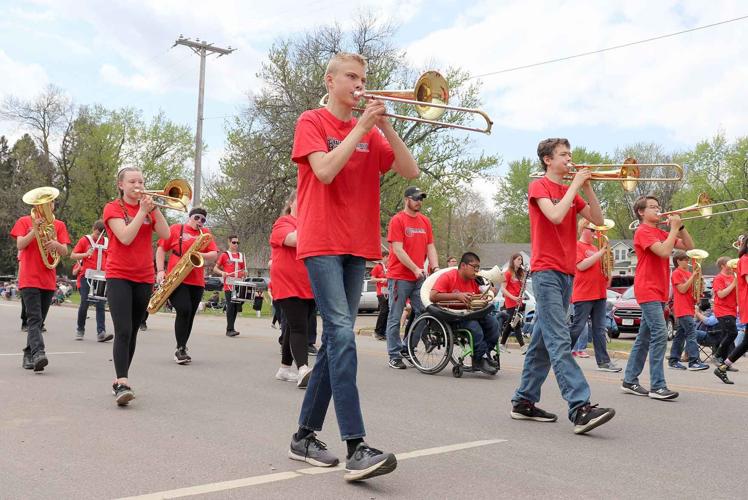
185 299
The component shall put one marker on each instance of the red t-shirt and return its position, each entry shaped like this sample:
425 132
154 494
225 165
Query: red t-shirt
231 263
652 277
32 273
743 288
683 303
341 217
590 284
188 236
512 285
133 262
378 272
726 306
451 282
90 262
553 245
415 234
287 274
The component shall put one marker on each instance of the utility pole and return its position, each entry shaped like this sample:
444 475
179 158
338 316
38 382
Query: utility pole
200 48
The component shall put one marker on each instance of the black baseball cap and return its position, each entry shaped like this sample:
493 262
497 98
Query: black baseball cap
414 193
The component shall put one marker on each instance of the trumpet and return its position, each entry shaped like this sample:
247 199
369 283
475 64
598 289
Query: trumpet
627 173
176 195
704 206
430 98
697 255
41 200
738 243
607 262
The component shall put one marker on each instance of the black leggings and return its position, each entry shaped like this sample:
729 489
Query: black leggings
298 313
517 330
729 332
741 349
186 300
127 304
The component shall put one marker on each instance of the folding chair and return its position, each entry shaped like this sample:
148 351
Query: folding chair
708 343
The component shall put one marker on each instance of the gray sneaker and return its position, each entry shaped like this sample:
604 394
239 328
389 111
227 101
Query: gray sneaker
608 367
79 334
312 451
634 389
367 462
663 393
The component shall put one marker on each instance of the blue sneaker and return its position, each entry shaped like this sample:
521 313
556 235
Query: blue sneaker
697 365
675 365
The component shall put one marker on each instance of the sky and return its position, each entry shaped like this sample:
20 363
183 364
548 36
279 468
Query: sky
675 91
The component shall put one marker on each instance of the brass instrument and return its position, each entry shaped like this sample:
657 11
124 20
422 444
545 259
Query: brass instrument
176 195
737 244
704 206
733 263
490 277
190 260
606 262
519 316
696 255
430 97
41 200
627 173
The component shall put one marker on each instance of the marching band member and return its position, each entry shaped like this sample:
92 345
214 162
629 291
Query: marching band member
340 161
130 221
510 288
36 282
91 250
653 247
232 266
684 308
725 364
724 288
187 295
553 211
293 294
378 275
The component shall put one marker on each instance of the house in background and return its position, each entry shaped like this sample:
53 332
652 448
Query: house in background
498 254
624 257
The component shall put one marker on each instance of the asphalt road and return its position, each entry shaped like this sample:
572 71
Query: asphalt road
220 427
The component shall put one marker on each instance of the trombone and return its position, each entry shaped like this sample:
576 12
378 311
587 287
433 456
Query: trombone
176 195
627 173
430 97
704 206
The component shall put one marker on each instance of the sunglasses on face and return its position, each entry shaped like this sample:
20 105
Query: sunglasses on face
198 218
235 242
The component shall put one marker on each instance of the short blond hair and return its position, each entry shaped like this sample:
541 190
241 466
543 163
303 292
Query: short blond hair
332 65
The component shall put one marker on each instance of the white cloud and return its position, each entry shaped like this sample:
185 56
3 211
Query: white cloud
19 79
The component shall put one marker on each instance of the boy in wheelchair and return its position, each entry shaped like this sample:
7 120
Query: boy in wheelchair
459 285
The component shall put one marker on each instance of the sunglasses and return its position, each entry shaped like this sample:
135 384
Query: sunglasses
235 242
198 218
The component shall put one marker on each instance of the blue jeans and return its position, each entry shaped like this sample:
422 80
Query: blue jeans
336 282
686 334
400 291
550 344
485 333
652 339
594 309
83 309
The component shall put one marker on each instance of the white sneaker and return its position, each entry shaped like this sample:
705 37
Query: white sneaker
305 373
524 348
286 374
502 348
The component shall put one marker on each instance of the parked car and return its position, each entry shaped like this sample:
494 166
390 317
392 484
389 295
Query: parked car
529 299
369 302
627 314
621 283
213 284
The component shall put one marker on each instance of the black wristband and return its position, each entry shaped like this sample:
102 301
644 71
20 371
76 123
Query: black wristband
682 227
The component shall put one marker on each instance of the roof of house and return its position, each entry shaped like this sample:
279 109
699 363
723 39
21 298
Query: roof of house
498 254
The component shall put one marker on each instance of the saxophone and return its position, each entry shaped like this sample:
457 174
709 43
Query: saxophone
518 316
41 200
190 260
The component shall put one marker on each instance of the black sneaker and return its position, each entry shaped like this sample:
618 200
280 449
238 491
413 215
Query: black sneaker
39 361
663 393
397 364
24 327
311 350
590 416
406 356
231 333
485 365
104 337
28 362
143 326
634 389
181 357
367 462
380 337
122 394
525 410
492 361
722 375
312 451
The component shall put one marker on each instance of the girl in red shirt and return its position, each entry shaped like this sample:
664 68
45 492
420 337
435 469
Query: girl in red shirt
231 265
742 285
187 295
130 220
513 277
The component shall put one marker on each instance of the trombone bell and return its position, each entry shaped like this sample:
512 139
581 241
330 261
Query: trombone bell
176 195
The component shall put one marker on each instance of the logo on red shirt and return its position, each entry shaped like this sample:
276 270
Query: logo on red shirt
412 231
332 143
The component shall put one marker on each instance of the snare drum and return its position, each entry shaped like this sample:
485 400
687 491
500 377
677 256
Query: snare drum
96 285
242 291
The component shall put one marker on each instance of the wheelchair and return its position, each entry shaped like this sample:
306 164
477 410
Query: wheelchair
434 340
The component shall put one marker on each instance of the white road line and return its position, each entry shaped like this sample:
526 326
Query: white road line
21 354
283 476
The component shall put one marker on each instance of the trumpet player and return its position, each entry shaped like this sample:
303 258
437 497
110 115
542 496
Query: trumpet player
130 221
37 282
187 295
684 306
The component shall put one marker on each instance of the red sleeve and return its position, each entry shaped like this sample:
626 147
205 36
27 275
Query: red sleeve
507 278
718 284
222 259
537 190
81 246
579 203
308 138
743 266
444 283
377 271
282 228
112 211
647 238
429 232
678 277
168 244
62 232
396 231
211 245
21 227
580 253
385 155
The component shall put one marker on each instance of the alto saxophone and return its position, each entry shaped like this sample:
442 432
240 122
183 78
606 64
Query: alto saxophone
190 260
518 316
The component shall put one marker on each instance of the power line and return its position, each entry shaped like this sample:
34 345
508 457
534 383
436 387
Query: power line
607 49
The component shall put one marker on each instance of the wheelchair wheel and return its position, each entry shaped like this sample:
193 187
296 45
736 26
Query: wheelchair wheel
429 344
457 371
462 352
